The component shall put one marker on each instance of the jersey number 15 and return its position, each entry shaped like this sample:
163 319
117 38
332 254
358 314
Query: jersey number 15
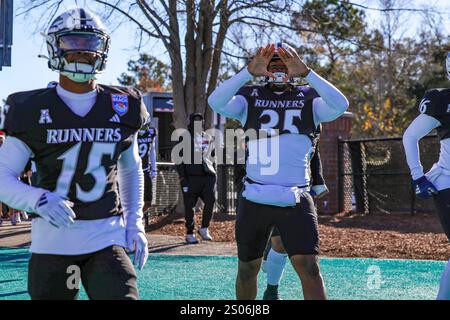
94 168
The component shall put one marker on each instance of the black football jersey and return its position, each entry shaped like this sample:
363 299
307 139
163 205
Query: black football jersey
289 112
145 141
436 104
77 156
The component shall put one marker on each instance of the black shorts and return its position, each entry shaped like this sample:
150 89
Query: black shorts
442 205
148 192
107 274
298 228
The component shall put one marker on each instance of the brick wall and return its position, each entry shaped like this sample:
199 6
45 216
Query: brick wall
331 132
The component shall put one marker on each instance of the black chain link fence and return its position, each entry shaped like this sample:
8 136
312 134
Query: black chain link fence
168 193
374 176
167 189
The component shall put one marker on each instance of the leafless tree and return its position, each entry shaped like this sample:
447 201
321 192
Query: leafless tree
193 33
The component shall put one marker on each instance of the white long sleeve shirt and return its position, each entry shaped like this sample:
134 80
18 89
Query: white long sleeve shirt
419 128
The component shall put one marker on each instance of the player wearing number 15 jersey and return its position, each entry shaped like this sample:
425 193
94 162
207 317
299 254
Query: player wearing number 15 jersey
82 136
289 115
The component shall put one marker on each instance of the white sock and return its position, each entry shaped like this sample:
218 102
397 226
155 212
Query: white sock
275 266
444 290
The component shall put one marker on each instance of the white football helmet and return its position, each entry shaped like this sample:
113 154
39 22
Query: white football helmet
77 31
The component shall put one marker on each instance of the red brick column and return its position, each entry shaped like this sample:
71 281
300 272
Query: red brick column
331 132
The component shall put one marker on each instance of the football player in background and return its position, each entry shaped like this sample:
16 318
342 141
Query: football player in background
285 117
147 152
82 137
198 179
434 114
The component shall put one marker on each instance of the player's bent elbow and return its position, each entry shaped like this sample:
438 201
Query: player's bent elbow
343 105
408 137
212 103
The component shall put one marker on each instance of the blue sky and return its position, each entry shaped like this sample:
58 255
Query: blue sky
30 72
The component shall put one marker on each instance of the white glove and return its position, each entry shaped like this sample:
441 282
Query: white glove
319 191
136 241
55 210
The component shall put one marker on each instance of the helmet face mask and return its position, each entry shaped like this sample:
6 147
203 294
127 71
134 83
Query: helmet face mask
278 68
77 44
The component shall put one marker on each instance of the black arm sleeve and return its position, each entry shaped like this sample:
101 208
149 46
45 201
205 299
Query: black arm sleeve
316 169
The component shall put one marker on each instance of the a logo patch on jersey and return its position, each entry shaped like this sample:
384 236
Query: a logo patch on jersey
255 93
45 117
301 94
120 103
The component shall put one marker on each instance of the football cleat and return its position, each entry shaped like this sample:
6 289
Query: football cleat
271 293
204 233
191 239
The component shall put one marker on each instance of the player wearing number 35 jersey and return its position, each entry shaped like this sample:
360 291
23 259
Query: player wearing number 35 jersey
289 115
82 137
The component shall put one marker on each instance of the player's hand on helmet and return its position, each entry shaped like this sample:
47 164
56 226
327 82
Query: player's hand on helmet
55 209
424 188
318 191
137 243
296 66
258 66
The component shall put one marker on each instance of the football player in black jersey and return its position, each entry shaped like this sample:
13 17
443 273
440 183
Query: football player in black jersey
434 114
82 137
198 179
146 140
283 117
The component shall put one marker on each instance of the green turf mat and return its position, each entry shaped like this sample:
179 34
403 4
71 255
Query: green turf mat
199 277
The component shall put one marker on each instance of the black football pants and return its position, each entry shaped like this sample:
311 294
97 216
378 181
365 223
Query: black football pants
107 274
442 205
202 187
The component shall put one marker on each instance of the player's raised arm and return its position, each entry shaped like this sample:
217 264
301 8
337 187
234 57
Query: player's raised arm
331 104
224 100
